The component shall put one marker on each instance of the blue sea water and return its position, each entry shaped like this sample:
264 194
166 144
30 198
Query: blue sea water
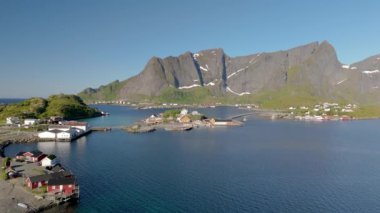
263 166
10 100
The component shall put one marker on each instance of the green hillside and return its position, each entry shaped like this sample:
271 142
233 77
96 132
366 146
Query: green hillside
67 106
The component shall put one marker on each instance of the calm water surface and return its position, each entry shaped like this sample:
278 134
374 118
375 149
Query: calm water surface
10 100
264 166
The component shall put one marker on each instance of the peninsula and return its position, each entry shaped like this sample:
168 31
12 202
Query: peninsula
19 122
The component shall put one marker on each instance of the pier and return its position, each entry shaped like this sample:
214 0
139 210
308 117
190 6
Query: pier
101 129
242 115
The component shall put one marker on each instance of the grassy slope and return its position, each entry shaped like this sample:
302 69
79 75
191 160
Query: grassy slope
368 111
107 93
197 95
31 108
68 106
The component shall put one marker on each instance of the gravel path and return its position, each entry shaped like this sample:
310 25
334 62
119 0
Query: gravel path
11 194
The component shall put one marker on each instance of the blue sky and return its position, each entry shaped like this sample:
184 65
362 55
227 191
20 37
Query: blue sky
64 46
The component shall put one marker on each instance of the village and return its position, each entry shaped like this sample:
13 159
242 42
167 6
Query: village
38 180
52 129
323 112
178 120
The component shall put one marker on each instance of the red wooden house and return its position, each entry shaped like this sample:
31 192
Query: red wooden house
64 185
37 181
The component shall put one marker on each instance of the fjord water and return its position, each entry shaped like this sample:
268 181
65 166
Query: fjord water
264 166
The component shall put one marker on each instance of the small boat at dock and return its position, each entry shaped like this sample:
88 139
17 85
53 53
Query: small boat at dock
105 113
22 205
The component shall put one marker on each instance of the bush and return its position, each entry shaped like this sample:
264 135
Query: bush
6 162
171 113
3 175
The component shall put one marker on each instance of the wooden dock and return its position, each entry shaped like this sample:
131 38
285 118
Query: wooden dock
101 129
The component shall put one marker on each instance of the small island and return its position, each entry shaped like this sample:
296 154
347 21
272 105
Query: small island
178 120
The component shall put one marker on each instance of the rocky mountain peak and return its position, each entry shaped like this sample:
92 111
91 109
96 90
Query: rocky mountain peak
313 66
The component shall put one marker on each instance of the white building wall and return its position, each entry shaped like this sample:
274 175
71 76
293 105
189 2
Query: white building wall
84 128
30 122
47 162
64 135
47 135
220 123
60 128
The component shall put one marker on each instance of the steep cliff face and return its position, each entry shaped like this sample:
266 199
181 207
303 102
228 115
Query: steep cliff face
313 67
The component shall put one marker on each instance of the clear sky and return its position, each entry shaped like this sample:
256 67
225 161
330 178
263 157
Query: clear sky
64 46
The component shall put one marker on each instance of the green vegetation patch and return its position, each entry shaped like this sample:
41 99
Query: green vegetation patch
30 108
287 97
67 106
171 113
107 92
363 112
190 96
3 175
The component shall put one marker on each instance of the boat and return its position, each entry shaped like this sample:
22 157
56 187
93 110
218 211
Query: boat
105 113
22 205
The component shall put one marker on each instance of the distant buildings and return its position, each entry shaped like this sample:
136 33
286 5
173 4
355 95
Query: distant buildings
31 122
184 112
154 119
12 120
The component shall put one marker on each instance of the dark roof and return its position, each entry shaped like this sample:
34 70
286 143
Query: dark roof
62 174
61 181
51 157
39 178
57 168
20 154
36 153
55 131
48 177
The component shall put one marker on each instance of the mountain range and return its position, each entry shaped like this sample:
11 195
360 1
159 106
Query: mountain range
305 74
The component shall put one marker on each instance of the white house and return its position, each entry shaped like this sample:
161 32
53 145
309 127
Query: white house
195 113
12 120
50 160
184 112
30 121
66 135
52 134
